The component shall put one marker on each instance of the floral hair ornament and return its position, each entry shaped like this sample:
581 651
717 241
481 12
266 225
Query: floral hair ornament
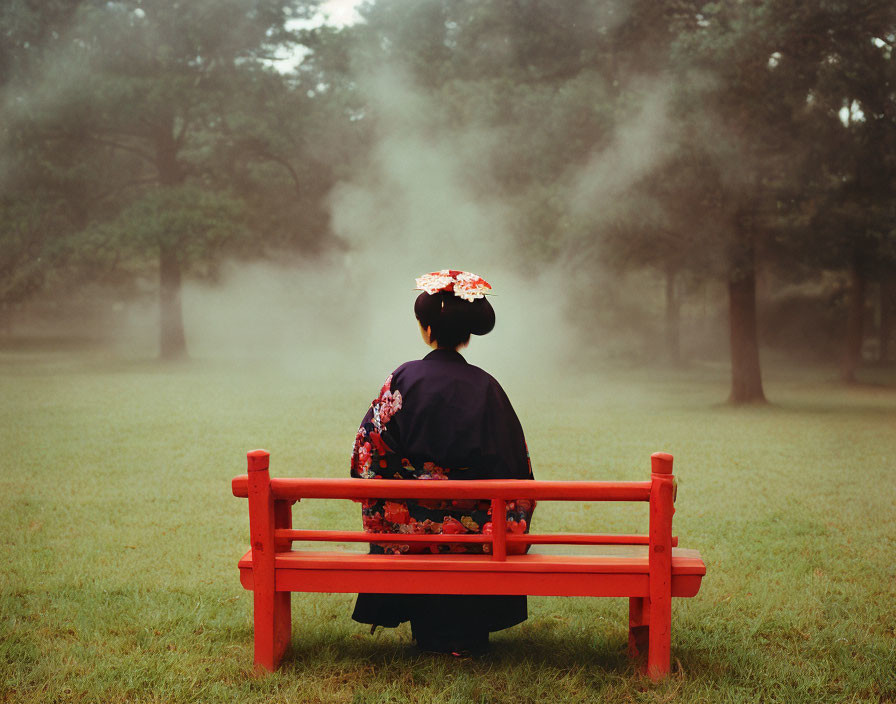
462 284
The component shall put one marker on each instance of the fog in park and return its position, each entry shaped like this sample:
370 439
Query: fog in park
642 184
212 214
420 201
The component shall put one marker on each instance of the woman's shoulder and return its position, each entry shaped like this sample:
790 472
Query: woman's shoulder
409 367
444 368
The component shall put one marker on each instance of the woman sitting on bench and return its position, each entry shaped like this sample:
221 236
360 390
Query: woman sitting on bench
442 418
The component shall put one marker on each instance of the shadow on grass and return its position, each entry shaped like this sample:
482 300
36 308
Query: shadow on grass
546 647
599 655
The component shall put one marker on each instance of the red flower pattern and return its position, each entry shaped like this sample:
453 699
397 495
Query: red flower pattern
373 457
396 512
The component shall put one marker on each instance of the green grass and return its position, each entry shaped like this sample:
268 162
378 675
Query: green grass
120 538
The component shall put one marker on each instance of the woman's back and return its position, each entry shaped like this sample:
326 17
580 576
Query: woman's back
440 418
453 414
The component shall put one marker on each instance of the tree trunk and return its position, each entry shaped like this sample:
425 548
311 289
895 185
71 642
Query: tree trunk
673 317
855 324
172 340
887 316
5 319
746 375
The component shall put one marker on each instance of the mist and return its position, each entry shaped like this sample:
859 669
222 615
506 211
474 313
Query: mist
423 189
420 200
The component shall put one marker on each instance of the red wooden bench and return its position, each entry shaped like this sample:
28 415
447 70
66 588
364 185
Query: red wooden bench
648 569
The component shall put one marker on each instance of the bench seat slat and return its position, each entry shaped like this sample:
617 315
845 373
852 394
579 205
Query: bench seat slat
423 582
528 583
628 558
624 572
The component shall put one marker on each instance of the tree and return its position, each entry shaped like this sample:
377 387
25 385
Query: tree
669 224
153 88
765 64
854 208
724 191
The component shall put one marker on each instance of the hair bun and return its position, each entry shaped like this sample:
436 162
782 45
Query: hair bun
452 319
482 318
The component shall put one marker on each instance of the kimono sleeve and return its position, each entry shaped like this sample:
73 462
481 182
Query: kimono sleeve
506 451
376 453
510 457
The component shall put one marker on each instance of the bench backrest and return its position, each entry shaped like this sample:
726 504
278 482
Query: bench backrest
270 512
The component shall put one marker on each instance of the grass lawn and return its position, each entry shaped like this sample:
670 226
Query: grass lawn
120 537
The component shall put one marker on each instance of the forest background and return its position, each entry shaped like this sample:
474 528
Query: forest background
211 216
647 181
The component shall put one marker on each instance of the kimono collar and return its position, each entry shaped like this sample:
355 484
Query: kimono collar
444 354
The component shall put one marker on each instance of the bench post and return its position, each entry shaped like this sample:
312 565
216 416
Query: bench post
499 529
659 608
272 615
638 625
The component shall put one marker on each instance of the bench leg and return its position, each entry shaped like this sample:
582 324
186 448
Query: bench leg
273 627
649 634
638 626
659 638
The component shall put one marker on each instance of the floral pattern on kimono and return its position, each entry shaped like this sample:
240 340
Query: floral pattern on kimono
377 454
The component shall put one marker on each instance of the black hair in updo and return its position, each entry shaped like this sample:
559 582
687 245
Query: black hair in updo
451 319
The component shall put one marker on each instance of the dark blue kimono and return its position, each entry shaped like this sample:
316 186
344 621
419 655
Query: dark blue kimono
440 418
